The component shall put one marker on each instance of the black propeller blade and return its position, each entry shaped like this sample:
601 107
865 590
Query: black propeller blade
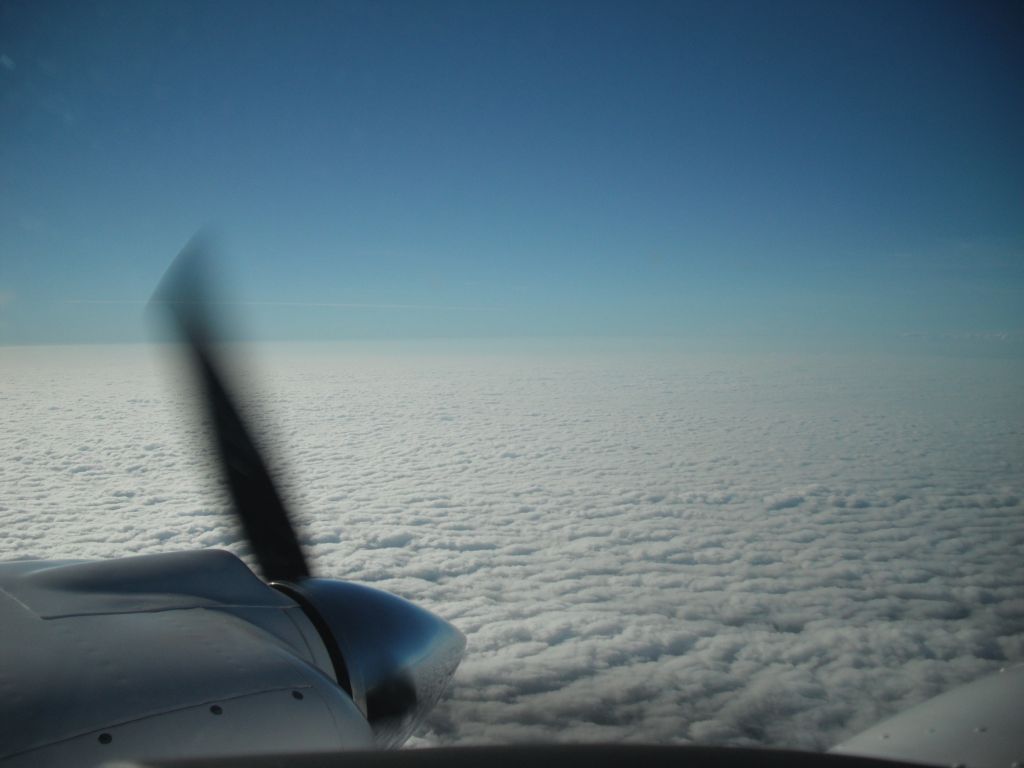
257 503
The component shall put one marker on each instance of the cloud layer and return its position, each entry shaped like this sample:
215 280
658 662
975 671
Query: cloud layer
666 549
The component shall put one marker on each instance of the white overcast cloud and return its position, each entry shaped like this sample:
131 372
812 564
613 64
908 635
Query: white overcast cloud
729 551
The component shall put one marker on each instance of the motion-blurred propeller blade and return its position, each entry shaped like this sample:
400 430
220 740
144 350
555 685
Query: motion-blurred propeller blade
257 503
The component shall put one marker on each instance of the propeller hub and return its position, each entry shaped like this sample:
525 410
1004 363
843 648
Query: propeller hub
396 657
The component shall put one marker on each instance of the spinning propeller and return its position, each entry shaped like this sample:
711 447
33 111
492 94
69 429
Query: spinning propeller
393 657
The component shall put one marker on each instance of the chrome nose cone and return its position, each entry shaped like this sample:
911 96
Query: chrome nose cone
399 658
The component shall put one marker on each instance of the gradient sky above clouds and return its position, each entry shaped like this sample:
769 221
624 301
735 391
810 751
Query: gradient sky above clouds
829 172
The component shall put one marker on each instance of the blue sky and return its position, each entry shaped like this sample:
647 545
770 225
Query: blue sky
843 173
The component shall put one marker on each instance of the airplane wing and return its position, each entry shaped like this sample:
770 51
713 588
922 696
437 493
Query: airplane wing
977 724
